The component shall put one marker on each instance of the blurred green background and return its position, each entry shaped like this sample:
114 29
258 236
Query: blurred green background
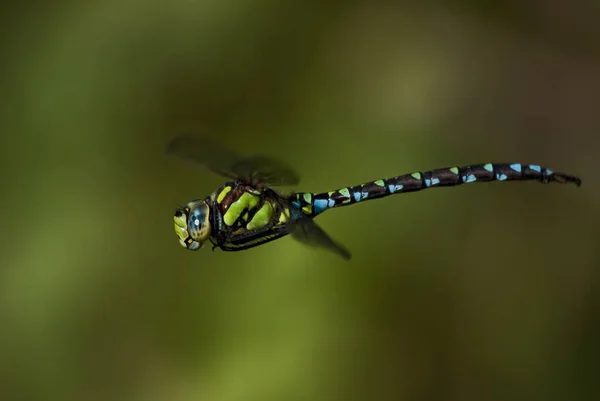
483 292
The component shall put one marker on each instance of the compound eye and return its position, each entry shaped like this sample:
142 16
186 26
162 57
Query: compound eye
198 224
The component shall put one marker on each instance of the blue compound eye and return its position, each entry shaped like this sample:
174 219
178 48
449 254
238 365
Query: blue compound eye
192 224
196 219
198 224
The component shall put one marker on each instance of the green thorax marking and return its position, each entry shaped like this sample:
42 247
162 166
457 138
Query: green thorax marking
262 217
246 201
454 170
223 193
284 216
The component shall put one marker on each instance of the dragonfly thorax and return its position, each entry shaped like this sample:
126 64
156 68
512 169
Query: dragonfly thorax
192 224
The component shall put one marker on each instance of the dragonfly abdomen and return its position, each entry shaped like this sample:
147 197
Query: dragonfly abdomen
315 204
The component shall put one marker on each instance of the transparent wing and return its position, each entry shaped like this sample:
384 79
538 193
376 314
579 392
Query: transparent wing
308 232
266 170
256 170
206 153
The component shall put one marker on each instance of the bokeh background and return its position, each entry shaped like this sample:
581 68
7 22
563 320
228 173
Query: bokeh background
483 292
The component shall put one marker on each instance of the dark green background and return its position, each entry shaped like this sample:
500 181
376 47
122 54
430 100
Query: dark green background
483 292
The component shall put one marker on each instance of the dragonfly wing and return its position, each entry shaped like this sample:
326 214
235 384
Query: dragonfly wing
267 170
308 232
205 153
256 170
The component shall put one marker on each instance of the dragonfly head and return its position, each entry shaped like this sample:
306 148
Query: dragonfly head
192 224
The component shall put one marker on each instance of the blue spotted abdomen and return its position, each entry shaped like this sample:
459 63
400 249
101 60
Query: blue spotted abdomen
314 204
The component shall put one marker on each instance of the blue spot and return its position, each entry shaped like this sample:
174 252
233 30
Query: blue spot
395 188
364 195
296 204
357 196
535 167
501 177
489 167
516 167
320 205
427 183
435 181
471 178
331 203
549 172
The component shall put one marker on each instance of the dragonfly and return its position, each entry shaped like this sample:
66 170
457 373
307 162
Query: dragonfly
247 210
